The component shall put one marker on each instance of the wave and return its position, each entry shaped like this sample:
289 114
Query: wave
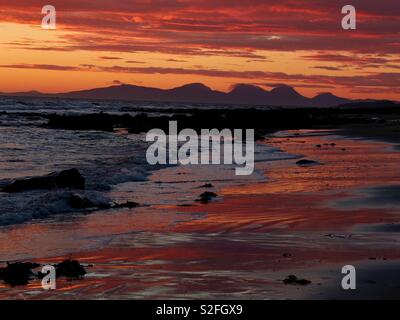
25 207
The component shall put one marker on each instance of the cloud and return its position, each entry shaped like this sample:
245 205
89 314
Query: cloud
197 26
344 58
44 67
109 58
247 30
328 68
176 60
117 82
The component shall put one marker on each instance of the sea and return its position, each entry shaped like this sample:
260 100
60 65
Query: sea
109 161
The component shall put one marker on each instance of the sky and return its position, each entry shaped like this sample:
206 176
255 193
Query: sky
168 43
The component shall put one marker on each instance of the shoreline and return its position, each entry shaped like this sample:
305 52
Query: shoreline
268 229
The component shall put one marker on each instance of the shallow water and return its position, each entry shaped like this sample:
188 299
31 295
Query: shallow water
113 163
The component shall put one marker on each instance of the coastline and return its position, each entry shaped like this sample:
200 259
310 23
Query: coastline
302 221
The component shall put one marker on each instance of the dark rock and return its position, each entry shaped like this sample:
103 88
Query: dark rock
206 197
77 201
100 121
292 279
18 273
307 163
128 204
64 179
71 269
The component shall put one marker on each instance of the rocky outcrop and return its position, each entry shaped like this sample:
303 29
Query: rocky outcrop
56 180
98 121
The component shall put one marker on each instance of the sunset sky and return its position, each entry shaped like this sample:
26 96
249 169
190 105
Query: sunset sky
167 43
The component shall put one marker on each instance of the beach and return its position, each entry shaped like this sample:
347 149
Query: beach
306 221
230 152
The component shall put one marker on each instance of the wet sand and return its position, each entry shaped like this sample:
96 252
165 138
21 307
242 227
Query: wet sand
306 221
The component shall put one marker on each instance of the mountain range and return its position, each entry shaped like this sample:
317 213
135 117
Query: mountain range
199 93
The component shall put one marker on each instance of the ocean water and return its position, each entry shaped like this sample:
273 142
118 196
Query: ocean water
113 163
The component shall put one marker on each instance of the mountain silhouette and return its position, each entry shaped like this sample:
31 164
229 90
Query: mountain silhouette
328 99
244 94
253 93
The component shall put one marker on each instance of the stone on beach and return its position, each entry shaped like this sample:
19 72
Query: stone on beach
18 273
292 279
206 197
71 269
307 163
56 180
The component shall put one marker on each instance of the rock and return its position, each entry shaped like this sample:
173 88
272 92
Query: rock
64 179
292 279
307 163
206 197
18 273
99 121
128 204
71 269
76 201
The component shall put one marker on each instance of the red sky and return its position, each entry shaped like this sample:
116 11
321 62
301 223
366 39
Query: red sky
167 43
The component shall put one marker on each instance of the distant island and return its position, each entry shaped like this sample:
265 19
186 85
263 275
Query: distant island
244 94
